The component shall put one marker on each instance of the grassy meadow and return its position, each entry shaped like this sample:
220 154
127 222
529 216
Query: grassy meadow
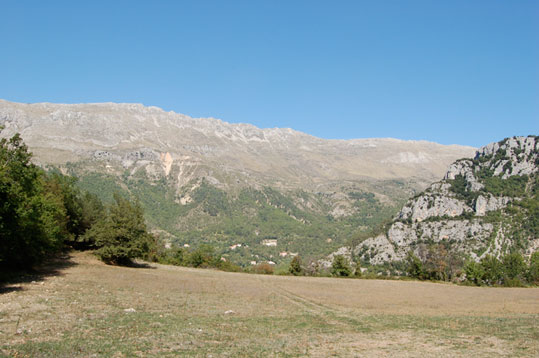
84 308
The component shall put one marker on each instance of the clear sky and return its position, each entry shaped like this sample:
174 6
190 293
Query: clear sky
464 72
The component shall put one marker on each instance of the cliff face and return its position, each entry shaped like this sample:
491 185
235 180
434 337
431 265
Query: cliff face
485 205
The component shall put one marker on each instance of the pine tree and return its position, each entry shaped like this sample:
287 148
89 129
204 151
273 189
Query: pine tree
340 267
295 266
122 234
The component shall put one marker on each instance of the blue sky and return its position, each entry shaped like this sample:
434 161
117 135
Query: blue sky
464 72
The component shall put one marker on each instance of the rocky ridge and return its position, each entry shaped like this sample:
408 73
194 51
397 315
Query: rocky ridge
134 136
485 205
205 180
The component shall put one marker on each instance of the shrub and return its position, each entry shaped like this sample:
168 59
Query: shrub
513 267
474 272
492 270
357 271
263 268
295 266
340 267
414 266
203 256
533 269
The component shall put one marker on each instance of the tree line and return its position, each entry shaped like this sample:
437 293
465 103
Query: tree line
510 270
43 212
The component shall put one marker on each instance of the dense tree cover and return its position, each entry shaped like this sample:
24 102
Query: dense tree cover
248 216
510 270
42 212
32 220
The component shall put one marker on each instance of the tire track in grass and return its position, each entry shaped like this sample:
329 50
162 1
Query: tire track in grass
329 314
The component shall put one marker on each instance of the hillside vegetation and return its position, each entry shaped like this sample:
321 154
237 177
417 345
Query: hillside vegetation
297 220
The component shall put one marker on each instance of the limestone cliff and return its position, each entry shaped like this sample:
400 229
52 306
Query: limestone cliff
485 205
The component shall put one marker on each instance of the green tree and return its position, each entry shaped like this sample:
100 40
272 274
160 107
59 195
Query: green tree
492 270
92 211
514 269
474 272
295 266
340 267
203 256
533 269
414 266
121 235
31 219
357 272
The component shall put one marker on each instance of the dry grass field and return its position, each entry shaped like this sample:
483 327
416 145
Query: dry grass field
87 309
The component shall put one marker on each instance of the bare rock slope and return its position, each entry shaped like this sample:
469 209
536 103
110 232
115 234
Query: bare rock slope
132 134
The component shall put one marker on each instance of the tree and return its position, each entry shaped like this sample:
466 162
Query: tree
357 272
203 256
122 234
514 268
31 218
474 272
414 266
533 269
295 266
492 270
436 266
340 267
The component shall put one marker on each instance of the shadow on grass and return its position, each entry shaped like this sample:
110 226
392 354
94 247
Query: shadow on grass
10 280
140 264
130 263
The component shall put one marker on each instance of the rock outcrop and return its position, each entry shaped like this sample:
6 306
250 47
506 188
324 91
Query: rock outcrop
485 205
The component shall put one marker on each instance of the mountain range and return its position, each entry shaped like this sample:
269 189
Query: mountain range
203 180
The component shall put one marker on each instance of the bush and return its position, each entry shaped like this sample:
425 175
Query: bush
512 282
474 272
295 267
203 256
513 267
414 266
492 270
533 269
357 272
263 268
340 267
